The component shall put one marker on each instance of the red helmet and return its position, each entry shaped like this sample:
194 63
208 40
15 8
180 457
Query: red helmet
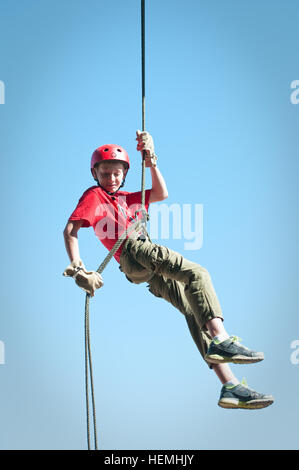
110 152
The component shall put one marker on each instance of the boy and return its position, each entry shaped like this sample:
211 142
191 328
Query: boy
186 285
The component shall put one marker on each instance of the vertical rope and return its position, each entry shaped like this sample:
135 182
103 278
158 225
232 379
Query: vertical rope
89 375
86 369
143 97
88 359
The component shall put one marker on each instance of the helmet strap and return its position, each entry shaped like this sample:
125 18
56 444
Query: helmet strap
108 192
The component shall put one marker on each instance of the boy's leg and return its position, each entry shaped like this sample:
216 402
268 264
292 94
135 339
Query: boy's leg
196 281
174 293
201 296
233 394
170 290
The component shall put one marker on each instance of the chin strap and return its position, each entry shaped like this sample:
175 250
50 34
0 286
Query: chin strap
108 192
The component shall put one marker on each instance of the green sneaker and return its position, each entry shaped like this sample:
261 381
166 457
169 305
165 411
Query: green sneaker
231 350
242 397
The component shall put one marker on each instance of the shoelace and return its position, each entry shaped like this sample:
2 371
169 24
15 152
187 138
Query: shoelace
235 338
244 383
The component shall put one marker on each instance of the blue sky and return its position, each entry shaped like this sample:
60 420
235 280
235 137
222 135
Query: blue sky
218 88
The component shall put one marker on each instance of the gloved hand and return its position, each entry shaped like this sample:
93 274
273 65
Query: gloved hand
145 144
87 280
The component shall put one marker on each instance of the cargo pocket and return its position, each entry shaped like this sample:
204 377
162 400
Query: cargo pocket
155 285
153 291
133 271
164 261
158 256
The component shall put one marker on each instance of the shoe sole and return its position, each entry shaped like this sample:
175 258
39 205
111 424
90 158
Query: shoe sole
216 359
234 403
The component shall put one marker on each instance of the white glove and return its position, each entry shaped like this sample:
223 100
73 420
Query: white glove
89 281
145 144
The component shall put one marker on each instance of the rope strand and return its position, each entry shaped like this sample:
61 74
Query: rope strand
88 371
143 96
133 227
88 359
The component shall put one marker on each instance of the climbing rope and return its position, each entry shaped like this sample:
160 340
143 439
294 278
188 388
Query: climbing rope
139 223
143 96
132 228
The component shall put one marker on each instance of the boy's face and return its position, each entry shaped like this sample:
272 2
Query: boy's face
110 175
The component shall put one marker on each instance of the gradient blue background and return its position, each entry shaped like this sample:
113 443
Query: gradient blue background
218 77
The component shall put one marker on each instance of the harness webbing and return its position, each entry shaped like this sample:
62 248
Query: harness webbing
133 227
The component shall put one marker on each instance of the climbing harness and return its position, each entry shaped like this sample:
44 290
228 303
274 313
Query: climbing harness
134 227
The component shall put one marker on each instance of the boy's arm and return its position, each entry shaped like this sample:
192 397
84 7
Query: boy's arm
159 189
89 281
145 144
70 235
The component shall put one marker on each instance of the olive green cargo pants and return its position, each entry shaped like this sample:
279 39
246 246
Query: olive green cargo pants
186 285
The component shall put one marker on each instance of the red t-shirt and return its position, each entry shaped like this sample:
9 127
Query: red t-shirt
109 215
